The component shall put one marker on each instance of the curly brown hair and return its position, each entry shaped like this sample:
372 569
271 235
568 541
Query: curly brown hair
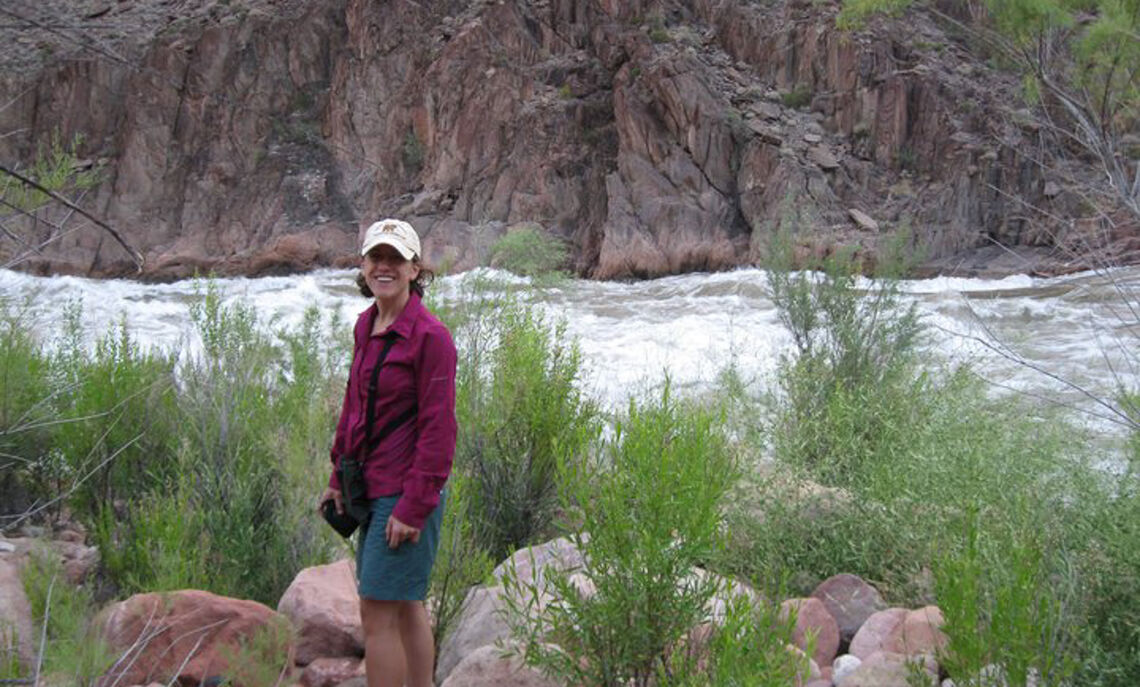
418 285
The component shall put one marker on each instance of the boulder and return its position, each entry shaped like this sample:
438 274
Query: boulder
728 590
843 666
875 631
919 633
850 601
330 672
324 607
478 624
17 630
530 565
78 560
887 669
188 636
812 619
823 158
487 667
863 220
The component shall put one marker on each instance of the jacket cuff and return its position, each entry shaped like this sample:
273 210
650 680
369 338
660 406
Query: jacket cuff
411 514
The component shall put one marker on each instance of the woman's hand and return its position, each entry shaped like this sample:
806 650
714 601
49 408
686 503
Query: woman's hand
397 532
331 495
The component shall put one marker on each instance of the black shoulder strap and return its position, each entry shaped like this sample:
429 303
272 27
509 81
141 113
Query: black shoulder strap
370 409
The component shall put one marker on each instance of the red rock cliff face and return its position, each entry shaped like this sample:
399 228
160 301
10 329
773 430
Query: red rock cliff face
654 137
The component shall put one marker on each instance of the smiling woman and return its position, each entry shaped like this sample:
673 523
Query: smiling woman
396 435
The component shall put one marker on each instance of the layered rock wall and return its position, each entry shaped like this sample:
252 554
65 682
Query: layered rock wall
653 137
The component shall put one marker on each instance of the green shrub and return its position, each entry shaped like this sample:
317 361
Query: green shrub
521 416
460 562
749 648
849 392
262 658
114 402
1110 544
25 412
1006 622
529 252
73 651
413 152
651 510
797 98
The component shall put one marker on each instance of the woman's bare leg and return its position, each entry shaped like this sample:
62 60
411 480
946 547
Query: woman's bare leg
419 651
383 649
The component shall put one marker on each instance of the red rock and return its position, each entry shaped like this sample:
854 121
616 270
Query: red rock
919 633
323 605
647 167
850 601
875 631
486 667
887 669
186 636
329 672
812 618
529 565
16 626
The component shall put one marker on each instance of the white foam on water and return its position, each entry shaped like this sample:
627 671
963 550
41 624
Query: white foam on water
689 327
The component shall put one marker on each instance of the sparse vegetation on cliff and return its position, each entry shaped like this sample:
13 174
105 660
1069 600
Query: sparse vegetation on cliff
1080 63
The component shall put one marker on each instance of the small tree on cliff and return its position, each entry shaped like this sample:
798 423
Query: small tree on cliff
38 204
1080 62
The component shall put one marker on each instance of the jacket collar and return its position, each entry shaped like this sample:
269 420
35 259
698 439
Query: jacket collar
405 322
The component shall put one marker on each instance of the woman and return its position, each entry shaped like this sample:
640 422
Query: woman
406 441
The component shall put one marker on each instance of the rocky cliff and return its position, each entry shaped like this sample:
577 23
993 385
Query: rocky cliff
253 136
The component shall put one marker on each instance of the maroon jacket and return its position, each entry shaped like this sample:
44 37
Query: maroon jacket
413 460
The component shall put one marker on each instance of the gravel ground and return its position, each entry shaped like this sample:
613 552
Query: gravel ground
36 32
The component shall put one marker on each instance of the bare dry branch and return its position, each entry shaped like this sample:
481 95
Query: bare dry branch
135 255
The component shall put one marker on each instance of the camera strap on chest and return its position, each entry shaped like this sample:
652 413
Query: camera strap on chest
370 441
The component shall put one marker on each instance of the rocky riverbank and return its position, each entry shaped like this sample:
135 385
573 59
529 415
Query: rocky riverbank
193 637
253 137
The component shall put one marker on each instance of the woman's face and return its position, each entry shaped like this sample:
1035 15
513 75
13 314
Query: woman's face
387 273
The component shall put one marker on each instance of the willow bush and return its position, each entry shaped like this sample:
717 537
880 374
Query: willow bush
521 418
650 503
198 473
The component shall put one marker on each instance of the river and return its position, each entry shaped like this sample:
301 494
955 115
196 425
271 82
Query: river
1078 328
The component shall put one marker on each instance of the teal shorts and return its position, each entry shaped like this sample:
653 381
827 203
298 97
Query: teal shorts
400 574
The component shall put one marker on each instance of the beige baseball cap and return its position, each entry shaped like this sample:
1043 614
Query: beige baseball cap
394 232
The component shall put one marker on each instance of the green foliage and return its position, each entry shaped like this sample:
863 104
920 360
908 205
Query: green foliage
658 33
10 668
104 399
412 152
1094 66
207 483
749 648
56 168
529 252
1111 565
521 417
24 413
850 386
855 13
1006 622
73 651
798 97
651 503
262 658
158 546
1109 53
460 562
